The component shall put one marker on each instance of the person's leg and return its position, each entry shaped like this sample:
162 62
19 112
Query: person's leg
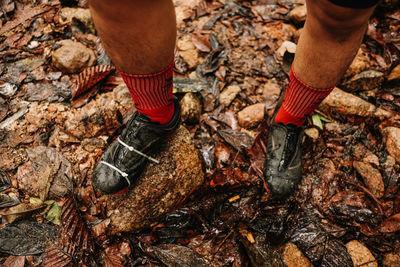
139 36
328 43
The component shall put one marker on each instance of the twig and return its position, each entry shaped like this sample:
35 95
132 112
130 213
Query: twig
380 205
221 243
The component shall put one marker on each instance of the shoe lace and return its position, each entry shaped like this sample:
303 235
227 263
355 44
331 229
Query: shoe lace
130 148
290 147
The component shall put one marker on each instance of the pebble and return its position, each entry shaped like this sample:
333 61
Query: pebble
372 178
312 133
251 115
68 14
72 57
229 94
33 44
191 108
298 14
392 138
360 254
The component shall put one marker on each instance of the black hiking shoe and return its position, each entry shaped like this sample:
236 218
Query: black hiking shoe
125 159
282 166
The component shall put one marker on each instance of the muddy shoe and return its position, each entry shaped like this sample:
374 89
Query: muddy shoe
125 159
282 167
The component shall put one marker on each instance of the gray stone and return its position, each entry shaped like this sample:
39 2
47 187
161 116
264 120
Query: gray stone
72 57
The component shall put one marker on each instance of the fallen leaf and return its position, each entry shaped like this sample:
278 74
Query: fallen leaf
391 224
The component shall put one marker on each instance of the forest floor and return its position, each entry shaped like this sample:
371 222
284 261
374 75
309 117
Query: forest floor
62 103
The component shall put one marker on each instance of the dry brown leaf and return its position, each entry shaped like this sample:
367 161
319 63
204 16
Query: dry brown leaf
22 16
88 78
112 257
14 261
201 42
391 224
73 242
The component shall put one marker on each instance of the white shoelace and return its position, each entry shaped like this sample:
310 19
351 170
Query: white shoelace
124 174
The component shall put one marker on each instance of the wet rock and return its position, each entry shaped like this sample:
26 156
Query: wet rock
191 108
251 115
360 254
395 74
372 178
82 15
47 173
229 94
313 133
293 257
298 14
392 139
160 187
391 260
366 80
349 104
72 56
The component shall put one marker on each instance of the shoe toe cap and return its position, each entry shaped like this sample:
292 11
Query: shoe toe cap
281 187
107 180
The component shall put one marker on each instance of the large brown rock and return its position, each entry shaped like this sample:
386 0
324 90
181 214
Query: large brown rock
392 138
349 104
72 57
160 188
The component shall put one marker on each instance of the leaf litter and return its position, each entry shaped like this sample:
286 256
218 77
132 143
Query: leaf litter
55 125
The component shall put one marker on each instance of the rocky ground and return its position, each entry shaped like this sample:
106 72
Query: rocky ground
62 104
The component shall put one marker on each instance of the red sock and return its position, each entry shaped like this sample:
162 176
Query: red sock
300 100
152 93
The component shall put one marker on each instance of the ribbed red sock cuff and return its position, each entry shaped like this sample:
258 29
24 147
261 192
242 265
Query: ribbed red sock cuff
300 100
152 93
